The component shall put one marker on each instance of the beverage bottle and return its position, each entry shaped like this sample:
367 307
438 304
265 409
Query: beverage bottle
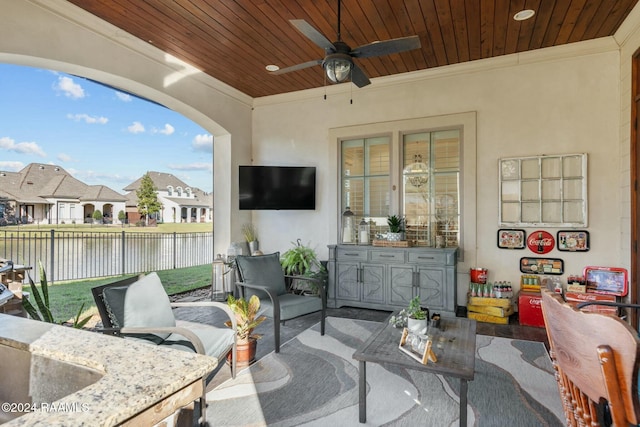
540 245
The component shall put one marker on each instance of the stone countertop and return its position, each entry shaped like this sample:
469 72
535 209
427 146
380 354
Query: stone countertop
136 375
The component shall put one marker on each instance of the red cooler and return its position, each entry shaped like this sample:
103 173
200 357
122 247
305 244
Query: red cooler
530 309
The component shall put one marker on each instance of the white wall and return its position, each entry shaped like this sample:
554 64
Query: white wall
560 100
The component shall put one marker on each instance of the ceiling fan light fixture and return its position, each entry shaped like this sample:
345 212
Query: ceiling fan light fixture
523 15
338 67
272 67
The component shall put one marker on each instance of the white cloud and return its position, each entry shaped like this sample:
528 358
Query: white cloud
87 118
123 97
203 143
168 129
197 166
11 166
70 89
9 144
136 127
65 157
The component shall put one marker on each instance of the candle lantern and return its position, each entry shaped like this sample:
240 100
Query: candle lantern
348 227
363 232
218 291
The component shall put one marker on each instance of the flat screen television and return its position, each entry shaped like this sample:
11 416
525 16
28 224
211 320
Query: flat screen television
277 187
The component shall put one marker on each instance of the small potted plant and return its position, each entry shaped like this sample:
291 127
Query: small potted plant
247 319
250 234
396 228
417 316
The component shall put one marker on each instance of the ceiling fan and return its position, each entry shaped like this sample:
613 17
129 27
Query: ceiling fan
338 61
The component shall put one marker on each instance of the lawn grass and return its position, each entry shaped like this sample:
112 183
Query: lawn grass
66 298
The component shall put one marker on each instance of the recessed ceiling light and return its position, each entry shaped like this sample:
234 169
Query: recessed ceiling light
524 15
272 68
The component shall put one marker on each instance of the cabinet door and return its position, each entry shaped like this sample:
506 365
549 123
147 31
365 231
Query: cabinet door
401 285
347 285
432 287
372 283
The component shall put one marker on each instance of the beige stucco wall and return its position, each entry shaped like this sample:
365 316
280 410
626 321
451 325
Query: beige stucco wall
570 99
562 100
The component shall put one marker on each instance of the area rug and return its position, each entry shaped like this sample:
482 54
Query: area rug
313 381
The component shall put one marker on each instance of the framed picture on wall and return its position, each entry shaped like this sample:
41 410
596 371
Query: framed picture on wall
511 238
573 240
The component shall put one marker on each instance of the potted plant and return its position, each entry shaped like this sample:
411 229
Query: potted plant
301 260
250 234
247 319
417 316
396 228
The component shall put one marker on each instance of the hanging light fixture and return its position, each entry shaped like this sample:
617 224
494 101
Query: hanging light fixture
417 173
338 67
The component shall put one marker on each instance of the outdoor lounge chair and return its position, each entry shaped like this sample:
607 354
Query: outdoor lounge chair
263 275
139 308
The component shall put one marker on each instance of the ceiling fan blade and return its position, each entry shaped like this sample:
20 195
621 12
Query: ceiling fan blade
298 67
358 77
312 34
386 47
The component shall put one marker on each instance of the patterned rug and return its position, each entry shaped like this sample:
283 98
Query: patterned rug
313 381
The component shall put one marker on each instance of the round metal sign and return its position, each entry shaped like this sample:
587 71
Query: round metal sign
540 242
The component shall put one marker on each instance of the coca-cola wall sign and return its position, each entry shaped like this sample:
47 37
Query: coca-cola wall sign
540 242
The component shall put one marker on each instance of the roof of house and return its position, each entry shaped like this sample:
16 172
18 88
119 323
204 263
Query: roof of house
36 182
163 180
160 179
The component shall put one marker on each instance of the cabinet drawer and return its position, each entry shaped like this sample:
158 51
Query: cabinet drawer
428 258
351 255
388 256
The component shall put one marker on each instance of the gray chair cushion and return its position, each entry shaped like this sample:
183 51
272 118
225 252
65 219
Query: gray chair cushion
292 306
113 298
262 270
216 341
142 304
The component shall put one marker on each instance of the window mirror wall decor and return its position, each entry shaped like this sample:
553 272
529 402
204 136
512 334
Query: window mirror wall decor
548 191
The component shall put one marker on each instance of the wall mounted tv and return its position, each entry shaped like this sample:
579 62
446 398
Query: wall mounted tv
277 187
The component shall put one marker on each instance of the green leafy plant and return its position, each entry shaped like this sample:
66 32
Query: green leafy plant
246 316
396 223
41 297
415 311
97 215
300 260
250 232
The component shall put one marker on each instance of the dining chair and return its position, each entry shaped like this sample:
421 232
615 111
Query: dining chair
595 357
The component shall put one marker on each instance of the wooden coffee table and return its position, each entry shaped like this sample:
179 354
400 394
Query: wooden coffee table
456 356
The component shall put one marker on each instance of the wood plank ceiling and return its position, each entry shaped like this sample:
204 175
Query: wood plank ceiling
233 41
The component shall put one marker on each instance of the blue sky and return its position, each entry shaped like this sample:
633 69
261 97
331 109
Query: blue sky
99 135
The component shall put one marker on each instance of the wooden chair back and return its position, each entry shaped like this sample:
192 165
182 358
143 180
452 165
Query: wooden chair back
595 357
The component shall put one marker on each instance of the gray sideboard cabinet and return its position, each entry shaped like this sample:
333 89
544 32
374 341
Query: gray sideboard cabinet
387 278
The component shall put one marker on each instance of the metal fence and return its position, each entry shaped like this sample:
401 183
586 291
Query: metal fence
79 255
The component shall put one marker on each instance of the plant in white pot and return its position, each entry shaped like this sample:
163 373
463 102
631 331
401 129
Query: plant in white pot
417 316
396 228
